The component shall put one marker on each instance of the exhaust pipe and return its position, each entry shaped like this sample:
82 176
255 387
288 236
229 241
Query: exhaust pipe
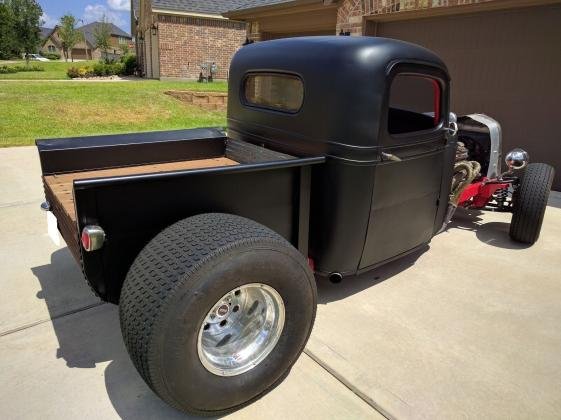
335 278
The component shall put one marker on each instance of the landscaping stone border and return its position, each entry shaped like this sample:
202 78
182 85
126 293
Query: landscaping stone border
217 101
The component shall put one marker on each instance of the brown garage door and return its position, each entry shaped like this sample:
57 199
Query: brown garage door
506 64
80 54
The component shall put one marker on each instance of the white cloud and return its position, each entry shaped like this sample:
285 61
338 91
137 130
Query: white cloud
97 12
119 5
48 21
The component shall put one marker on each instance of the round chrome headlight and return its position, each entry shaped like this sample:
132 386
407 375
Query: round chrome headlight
517 159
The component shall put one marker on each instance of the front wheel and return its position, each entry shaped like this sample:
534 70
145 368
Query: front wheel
530 202
214 312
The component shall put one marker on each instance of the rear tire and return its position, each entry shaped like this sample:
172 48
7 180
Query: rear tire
530 202
180 277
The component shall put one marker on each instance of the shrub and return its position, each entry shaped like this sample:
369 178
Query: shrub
118 69
99 69
129 64
52 56
28 68
83 72
7 70
17 69
73 72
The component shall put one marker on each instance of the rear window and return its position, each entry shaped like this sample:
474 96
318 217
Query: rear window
414 104
280 92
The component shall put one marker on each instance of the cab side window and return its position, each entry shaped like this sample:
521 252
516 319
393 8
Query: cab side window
414 104
278 92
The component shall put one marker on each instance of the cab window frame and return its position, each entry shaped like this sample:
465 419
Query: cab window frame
255 73
421 70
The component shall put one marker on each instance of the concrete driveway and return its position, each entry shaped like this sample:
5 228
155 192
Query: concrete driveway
467 328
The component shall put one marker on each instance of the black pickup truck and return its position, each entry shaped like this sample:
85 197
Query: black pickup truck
340 155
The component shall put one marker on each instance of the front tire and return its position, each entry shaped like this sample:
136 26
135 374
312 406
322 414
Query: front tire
182 288
530 202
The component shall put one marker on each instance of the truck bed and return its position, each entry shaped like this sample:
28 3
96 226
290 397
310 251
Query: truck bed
65 161
60 186
135 185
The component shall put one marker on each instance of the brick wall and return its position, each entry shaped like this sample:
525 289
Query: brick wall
351 12
188 42
349 17
391 6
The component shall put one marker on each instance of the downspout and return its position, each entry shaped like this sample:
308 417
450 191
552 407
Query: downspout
151 54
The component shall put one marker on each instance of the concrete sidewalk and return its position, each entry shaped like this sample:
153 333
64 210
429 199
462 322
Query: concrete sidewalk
467 328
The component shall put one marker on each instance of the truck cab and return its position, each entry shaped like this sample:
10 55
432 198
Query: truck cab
378 110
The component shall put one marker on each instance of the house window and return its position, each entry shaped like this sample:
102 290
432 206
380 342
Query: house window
51 48
279 92
414 104
123 40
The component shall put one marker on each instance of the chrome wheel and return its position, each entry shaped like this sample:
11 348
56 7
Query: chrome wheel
241 329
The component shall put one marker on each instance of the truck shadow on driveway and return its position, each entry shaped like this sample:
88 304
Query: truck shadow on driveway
491 233
91 336
330 292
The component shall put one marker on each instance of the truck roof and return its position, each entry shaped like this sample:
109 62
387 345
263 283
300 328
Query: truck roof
345 80
373 53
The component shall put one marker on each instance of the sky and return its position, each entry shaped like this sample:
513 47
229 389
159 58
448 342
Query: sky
116 11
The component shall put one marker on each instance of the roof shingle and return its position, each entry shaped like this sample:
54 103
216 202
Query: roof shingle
89 31
44 32
211 7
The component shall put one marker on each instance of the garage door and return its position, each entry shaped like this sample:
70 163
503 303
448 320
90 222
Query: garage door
80 54
506 64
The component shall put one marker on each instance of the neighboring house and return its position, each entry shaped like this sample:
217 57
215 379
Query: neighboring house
50 42
174 38
119 40
44 33
503 55
87 49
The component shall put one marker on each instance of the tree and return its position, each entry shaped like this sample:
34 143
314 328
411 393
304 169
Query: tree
102 36
7 38
69 35
27 18
19 27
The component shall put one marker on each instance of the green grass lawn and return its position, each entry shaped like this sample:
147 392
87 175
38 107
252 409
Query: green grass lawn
54 70
31 110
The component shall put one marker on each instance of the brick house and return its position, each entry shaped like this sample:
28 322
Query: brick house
176 37
503 55
86 49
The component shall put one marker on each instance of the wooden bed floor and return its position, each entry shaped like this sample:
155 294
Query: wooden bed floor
61 185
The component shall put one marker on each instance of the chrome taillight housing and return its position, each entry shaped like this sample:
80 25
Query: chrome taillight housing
92 238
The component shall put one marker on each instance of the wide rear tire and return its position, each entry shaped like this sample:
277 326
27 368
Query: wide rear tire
177 292
530 202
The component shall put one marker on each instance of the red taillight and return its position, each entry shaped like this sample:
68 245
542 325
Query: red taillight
86 240
92 238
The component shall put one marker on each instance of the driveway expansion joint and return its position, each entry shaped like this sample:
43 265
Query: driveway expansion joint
43 321
347 384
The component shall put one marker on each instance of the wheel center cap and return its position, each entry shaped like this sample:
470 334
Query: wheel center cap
223 310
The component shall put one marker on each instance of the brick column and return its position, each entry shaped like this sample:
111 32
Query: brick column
254 32
350 17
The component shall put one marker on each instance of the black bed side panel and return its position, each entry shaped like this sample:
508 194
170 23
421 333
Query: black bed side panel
132 213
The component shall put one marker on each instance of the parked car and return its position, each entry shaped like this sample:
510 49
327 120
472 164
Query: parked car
341 154
37 57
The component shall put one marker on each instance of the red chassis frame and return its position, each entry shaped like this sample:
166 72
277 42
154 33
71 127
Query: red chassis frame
478 194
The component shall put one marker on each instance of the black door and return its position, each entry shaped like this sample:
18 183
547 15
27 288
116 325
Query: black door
408 178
